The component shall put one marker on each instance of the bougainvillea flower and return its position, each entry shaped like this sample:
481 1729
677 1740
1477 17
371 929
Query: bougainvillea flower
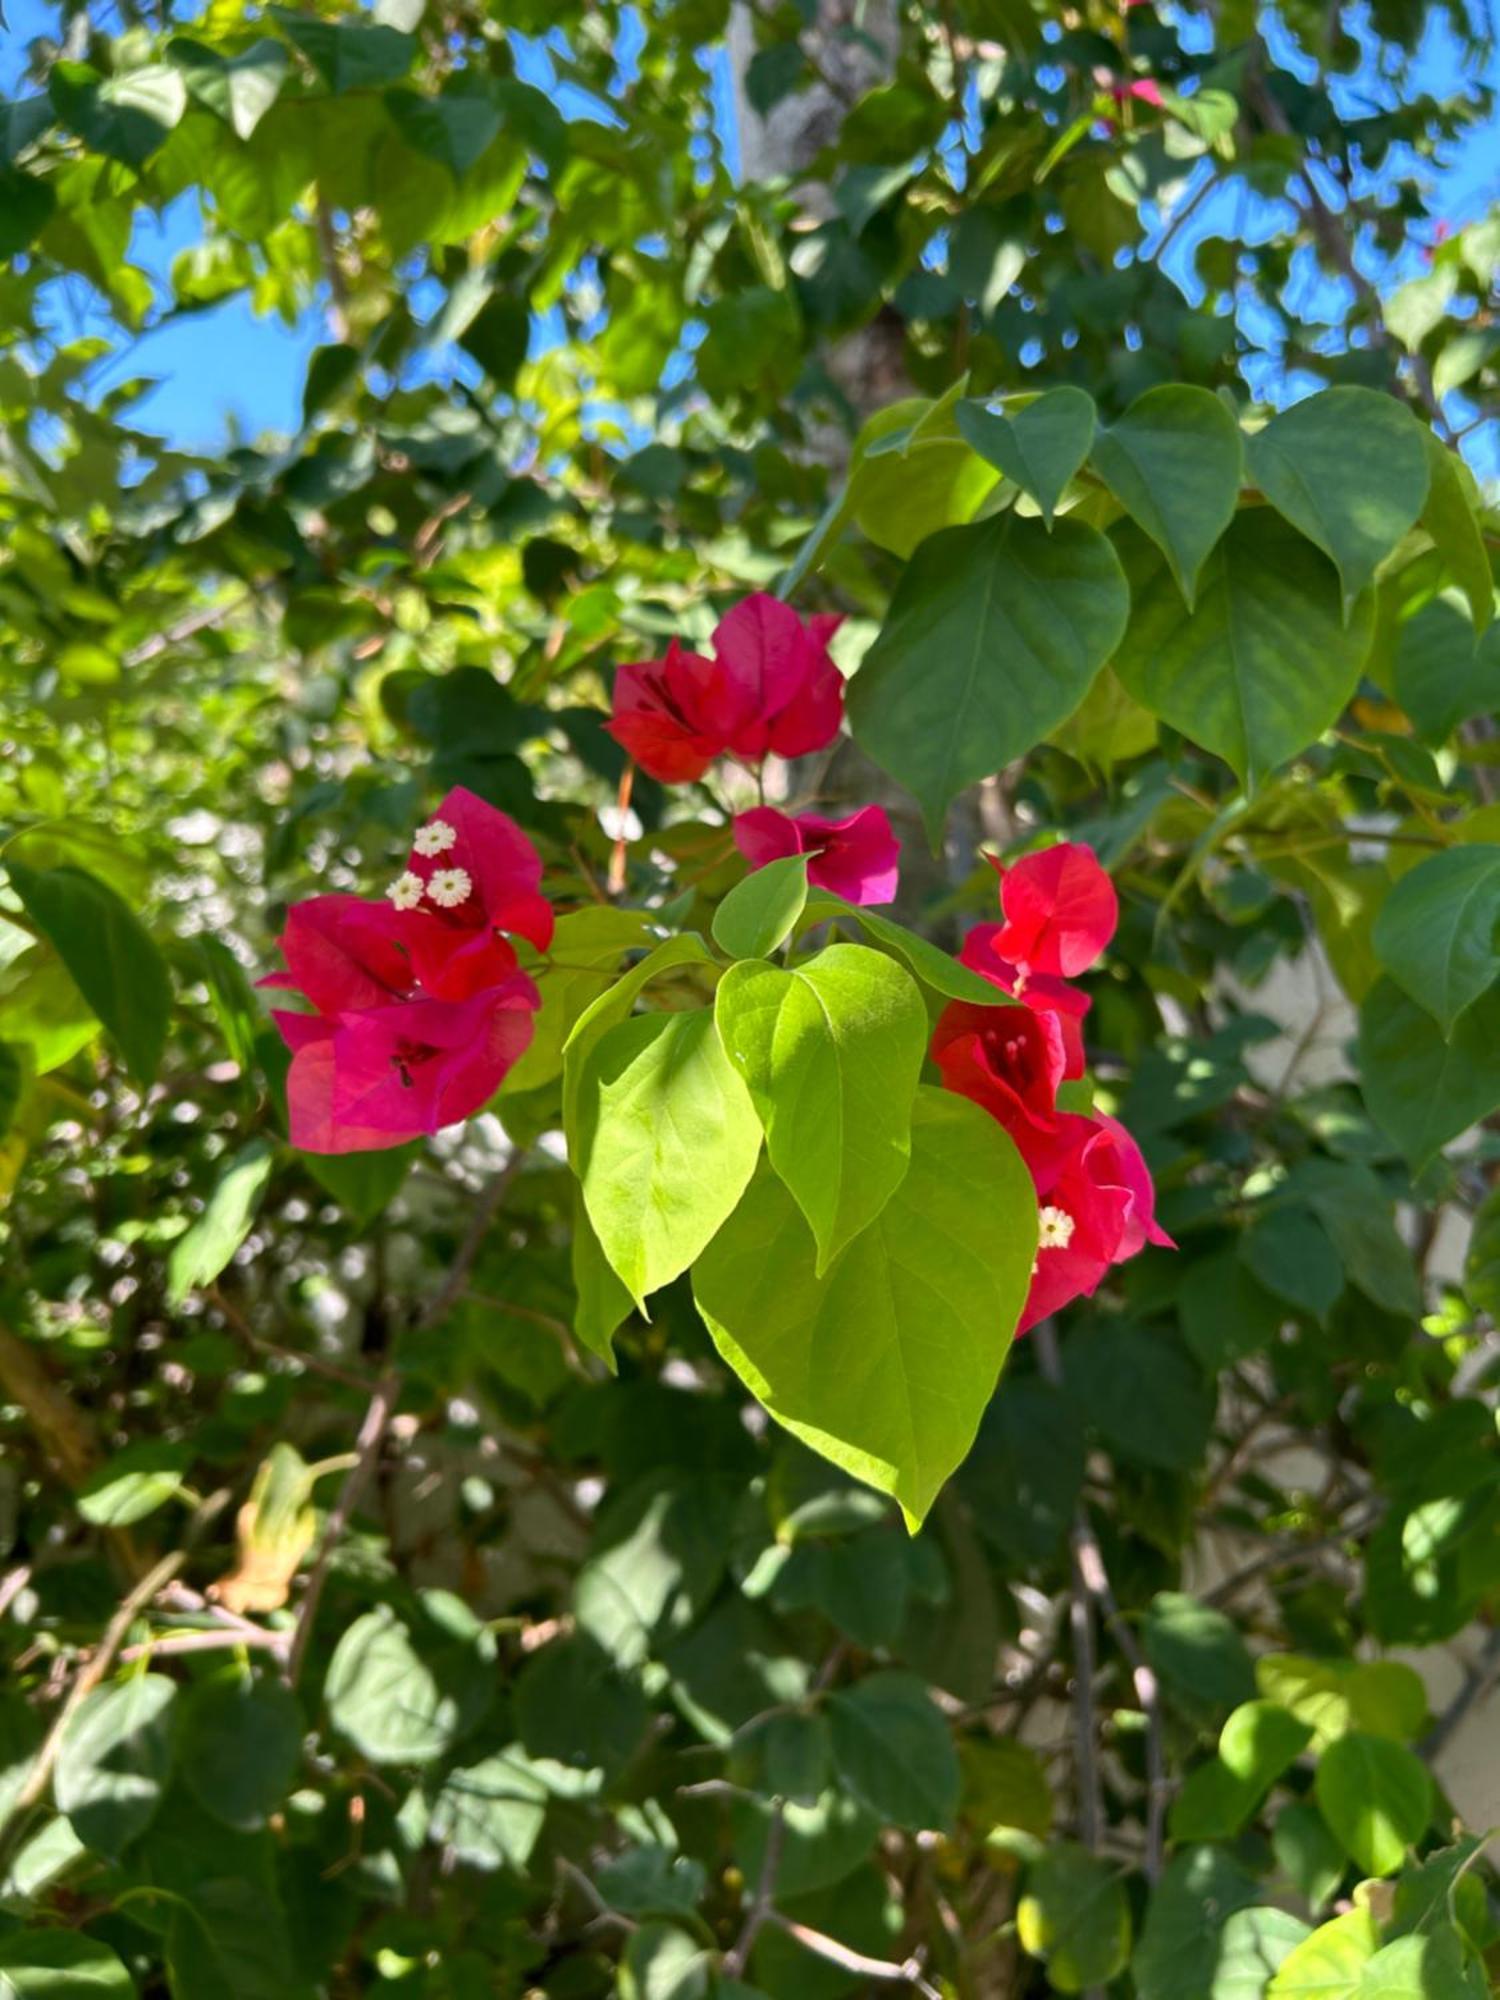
857 858
1043 992
789 694
769 686
1060 911
343 952
673 715
1009 1060
472 876
375 1077
1096 1206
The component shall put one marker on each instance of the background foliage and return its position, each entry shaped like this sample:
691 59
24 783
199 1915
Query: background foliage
361 1635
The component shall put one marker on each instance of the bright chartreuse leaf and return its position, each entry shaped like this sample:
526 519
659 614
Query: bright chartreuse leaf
108 951
202 1252
1431 1966
614 1005
133 1482
831 1050
1435 933
993 637
603 1302
913 472
1038 441
933 966
893 1751
1376 1796
1263 663
1330 1964
1174 462
1421 1088
885 1363
582 963
761 912
1348 467
665 1141
1074 1916
240 89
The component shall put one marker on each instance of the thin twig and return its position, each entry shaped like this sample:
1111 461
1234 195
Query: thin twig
1095 1577
313 1363
11 1586
1478 1684
762 1903
207 1642
884 1971
367 1445
457 1278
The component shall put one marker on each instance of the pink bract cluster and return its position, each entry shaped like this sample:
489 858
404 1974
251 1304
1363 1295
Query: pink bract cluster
1094 1192
420 1005
768 688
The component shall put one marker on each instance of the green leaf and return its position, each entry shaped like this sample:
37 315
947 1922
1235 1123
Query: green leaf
931 965
1291 1255
885 1363
1169 1429
912 473
614 1005
1074 1916
1182 1936
1263 664
656 1562
1225 1313
831 1051
108 952
349 55
26 207
230 1936
133 1483
1257 1743
202 1252
1452 518
894 1751
1330 1964
664 1144
113 1764
1174 462
993 637
1197 1651
1307 1853
498 337
1435 932
404 1696
239 89
1349 468
1441 676
363 1184
241 1745
129 116
1421 1089
582 963
1038 441
489 1815
761 912
1431 1967
455 129
1253 1945
664 1963
60 1965
1376 1796
603 1304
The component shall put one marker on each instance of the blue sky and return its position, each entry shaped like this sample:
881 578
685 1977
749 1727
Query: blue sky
227 372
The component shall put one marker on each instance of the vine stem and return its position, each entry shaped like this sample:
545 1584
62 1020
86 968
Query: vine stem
883 1971
372 1430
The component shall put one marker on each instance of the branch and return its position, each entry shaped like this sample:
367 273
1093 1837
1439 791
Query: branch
883 1971
1478 1684
367 1445
761 1908
1090 1559
490 1198
207 1642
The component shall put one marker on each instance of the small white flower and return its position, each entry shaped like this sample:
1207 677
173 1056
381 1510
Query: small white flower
434 838
406 891
448 887
1056 1229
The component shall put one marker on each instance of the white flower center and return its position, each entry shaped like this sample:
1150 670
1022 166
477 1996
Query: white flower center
1055 1230
448 887
434 838
406 891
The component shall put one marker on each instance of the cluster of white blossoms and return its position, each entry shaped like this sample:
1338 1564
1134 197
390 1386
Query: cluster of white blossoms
1054 1232
447 887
